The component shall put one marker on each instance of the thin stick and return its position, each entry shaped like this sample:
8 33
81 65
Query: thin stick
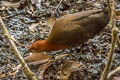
114 38
58 5
112 15
118 41
25 67
113 72
109 7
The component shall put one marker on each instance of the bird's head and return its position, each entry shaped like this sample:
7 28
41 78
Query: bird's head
38 46
43 45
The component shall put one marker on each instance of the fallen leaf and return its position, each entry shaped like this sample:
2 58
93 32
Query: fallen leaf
43 68
32 26
17 67
66 69
13 73
37 58
10 4
15 70
2 75
118 12
60 56
117 17
116 78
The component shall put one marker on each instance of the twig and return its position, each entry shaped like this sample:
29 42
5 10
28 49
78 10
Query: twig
118 41
58 6
114 38
113 72
15 14
25 67
109 7
112 15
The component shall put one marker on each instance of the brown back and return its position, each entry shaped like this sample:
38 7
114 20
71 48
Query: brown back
78 27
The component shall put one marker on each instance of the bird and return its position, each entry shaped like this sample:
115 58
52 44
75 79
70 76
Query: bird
72 30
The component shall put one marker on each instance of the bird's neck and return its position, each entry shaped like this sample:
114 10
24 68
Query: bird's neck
52 47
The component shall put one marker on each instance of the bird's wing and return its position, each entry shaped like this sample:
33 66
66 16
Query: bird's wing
80 15
70 28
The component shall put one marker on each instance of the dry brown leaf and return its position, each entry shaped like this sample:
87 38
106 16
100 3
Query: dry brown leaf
2 75
13 73
32 26
60 56
17 67
15 70
67 68
41 75
117 12
10 4
43 68
117 17
37 58
116 78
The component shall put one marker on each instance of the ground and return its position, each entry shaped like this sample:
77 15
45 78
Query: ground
27 23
